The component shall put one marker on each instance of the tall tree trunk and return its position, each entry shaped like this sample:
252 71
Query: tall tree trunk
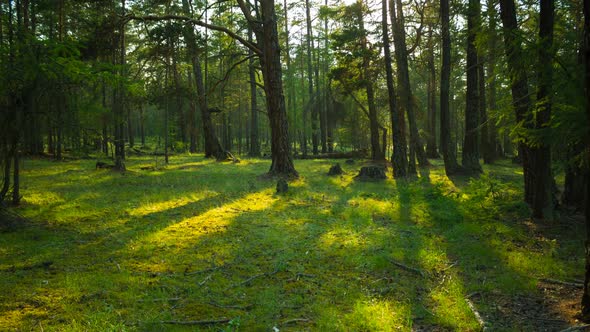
543 177
141 124
405 89
270 60
192 125
16 175
254 141
212 146
166 106
291 97
449 156
493 139
471 143
399 159
119 100
586 294
431 149
368 79
312 104
326 87
519 86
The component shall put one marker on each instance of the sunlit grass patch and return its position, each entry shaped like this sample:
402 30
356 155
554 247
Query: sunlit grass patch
198 239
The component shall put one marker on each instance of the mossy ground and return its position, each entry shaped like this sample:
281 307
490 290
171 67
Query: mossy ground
200 240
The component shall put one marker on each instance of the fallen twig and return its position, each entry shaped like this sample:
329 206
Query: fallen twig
207 278
160 299
576 328
196 322
480 320
246 307
295 320
564 283
407 268
247 281
211 269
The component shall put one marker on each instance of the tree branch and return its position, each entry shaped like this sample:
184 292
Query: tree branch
225 30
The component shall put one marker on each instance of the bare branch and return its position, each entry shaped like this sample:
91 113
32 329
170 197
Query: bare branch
186 19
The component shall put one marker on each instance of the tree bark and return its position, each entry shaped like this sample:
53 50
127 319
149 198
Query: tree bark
312 104
431 148
543 177
405 89
212 146
586 294
496 147
399 159
254 142
270 60
471 142
450 159
519 86
368 81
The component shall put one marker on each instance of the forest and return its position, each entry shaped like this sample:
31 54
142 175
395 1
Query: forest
295 165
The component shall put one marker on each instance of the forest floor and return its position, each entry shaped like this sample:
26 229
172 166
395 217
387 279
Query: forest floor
211 245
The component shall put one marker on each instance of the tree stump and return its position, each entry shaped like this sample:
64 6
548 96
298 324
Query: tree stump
335 170
282 186
371 173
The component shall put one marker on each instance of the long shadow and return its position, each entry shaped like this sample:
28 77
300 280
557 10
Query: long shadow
317 258
493 254
72 257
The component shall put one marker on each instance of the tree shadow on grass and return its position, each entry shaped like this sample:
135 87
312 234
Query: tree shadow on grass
496 259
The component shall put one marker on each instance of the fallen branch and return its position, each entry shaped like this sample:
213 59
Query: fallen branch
480 320
564 283
576 328
408 268
197 322
247 281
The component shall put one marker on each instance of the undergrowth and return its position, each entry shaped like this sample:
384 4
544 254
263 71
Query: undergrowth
200 240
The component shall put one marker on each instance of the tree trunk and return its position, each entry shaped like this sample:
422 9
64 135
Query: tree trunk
493 139
431 149
368 79
399 159
254 141
212 146
586 294
119 100
312 104
192 125
16 176
405 89
519 85
543 177
471 142
449 156
268 42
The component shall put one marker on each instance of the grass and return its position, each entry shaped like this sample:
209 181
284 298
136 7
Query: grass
201 240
